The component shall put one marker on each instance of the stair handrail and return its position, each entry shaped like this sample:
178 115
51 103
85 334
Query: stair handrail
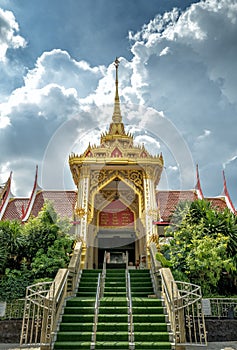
130 314
126 257
97 303
49 297
155 267
103 275
182 301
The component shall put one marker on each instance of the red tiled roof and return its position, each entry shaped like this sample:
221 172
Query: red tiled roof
168 200
63 202
219 203
14 208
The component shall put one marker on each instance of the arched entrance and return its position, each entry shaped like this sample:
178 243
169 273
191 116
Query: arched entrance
117 212
116 232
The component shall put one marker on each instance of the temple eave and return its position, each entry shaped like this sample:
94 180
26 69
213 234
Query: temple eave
156 161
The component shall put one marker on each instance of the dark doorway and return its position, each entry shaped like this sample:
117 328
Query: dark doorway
116 242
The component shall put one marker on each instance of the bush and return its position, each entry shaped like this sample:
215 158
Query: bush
164 262
32 251
13 284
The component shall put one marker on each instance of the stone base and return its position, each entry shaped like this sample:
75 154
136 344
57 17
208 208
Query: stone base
10 331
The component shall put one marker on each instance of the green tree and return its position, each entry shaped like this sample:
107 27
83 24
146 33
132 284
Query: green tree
34 250
203 247
42 231
11 244
56 257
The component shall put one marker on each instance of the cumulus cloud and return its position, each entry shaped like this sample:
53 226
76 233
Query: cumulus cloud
183 66
58 67
34 112
186 62
8 34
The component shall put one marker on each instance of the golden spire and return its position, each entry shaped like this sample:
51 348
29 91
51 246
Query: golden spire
117 118
116 128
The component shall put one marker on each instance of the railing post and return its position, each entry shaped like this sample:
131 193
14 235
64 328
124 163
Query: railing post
179 319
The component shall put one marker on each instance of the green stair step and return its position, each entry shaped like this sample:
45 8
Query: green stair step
154 336
77 318
153 345
112 345
115 326
79 302
141 283
73 346
107 336
148 326
85 282
149 318
76 326
73 336
114 294
146 302
113 310
113 301
112 318
147 310
87 288
79 310
143 289
86 294
117 289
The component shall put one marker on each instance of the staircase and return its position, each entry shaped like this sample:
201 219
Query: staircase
75 330
149 321
112 327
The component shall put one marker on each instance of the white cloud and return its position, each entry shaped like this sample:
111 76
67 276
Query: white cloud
165 51
205 134
8 33
173 168
229 161
58 67
4 121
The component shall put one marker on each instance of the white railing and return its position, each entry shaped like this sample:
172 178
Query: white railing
97 303
126 259
155 270
103 276
38 315
220 307
13 310
188 315
183 302
44 303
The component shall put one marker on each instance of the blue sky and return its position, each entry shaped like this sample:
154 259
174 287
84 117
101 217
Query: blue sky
177 83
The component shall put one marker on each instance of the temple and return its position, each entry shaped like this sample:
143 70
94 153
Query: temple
116 204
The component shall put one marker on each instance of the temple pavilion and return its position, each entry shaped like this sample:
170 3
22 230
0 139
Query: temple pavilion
116 205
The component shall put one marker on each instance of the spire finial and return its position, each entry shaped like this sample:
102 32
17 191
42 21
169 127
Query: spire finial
117 118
